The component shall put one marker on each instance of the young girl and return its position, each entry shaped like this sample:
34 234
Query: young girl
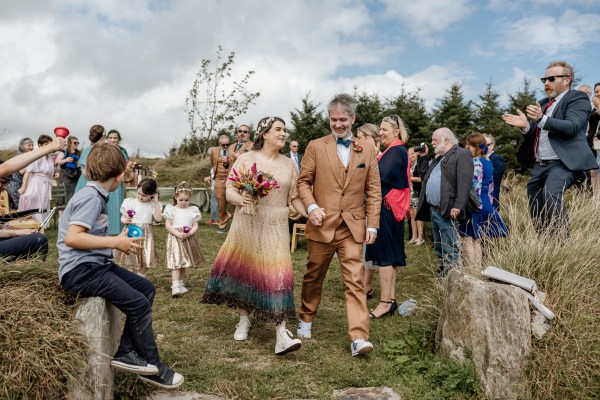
141 211
183 250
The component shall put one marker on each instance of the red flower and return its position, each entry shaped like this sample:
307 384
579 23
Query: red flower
357 147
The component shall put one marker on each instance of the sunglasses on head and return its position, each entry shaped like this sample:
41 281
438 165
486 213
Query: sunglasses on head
396 118
552 78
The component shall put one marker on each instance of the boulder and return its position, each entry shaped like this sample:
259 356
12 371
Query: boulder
492 322
369 393
100 323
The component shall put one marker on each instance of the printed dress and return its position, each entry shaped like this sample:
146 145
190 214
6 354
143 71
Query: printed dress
470 226
146 257
182 253
253 269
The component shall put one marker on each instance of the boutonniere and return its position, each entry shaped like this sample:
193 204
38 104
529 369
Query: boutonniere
356 147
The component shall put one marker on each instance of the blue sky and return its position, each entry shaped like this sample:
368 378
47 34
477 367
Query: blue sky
129 65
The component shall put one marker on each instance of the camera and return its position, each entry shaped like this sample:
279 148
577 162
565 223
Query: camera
420 148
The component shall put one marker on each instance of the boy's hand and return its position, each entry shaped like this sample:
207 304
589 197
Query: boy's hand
126 244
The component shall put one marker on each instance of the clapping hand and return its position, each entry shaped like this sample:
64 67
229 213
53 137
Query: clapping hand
518 121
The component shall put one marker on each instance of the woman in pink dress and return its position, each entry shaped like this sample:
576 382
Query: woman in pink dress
36 190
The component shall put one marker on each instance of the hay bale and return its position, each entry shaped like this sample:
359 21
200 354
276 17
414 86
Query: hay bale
41 346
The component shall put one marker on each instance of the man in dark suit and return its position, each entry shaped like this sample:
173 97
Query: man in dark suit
499 167
555 137
444 195
294 155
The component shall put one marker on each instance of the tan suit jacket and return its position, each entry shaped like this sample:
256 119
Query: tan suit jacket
215 159
245 147
358 196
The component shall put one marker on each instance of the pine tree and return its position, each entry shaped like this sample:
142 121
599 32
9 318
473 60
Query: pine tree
308 123
454 112
369 109
517 101
410 106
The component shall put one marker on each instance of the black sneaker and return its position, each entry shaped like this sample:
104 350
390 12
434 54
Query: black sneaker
132 362
169 379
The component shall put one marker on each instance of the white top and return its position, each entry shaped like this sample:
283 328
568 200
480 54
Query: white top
181 217
143 210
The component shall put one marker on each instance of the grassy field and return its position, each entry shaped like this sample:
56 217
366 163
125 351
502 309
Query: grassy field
197 340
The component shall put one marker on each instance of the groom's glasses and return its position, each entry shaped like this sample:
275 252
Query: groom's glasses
552 78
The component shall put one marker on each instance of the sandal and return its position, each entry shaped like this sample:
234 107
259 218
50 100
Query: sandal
390 312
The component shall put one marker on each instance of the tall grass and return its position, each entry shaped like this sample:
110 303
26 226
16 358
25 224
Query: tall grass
565 363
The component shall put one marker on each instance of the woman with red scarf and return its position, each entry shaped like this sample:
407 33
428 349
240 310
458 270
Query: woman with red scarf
388 250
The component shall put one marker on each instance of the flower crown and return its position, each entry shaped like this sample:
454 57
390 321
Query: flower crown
182 189
264 124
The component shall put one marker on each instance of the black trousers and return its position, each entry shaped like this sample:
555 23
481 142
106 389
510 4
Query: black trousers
24 246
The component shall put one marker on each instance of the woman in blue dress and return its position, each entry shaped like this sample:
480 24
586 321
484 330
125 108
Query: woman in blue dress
116 198
387 252
96 136
485 223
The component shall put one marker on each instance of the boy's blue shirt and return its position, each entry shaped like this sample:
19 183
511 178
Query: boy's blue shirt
87 208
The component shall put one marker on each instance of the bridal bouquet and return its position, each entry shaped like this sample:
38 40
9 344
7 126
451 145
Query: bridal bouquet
256 183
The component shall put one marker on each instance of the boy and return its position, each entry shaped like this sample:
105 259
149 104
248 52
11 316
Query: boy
86 268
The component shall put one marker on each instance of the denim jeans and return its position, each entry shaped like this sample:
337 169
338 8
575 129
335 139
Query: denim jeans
127 291
214 206
24 247
446 241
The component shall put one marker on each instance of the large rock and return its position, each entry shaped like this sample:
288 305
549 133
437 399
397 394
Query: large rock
492 321
100 323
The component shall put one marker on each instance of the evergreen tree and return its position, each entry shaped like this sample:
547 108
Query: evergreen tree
517 101
410 106
452 111
309 123
369 109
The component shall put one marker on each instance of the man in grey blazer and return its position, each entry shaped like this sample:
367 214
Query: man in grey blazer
554 130
444 195
294 155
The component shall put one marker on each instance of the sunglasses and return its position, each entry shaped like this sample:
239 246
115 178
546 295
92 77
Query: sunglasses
396 118
74 142
225 145
552 78
240 131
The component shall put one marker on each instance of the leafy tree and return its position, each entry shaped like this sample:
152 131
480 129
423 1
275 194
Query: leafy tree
309 123
454 112
209 107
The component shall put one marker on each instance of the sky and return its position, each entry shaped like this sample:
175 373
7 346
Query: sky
129 64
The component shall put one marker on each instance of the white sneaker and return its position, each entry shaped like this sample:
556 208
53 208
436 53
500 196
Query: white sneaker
360 347
304 329
175 290
241 329
182 288
285 343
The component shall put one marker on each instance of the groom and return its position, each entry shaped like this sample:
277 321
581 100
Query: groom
339 185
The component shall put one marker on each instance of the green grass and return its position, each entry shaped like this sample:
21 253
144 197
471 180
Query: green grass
197 339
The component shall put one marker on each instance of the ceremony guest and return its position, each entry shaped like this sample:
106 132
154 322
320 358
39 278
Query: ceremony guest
182 249
214 205
86 268
555 137
586 89
96 136
339 185
25 145
294 154
141 211
387 252
593 136
36 190
499 168
417 227
68 160
243 144
370 133
444 195
221 159
253 269
116 197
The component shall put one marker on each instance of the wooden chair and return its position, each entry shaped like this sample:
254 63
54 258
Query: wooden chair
59 196
297 230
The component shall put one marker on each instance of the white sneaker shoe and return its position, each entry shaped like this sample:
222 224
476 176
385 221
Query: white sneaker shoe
285 343
182 288
304 329
241 329
360 347
175 290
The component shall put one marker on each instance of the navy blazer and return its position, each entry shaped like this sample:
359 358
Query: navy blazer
499 168
566 131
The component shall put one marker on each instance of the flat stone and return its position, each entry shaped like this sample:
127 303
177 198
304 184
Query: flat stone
374 393
182 396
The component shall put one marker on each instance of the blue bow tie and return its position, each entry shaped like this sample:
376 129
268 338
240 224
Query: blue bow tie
342 141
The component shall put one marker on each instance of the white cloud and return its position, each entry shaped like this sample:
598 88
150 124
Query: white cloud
549 36
428 17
